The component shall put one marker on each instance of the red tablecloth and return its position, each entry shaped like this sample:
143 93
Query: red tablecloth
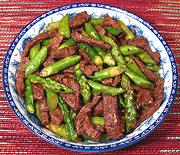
163 15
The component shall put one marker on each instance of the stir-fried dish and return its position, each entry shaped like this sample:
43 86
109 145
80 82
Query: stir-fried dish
90 78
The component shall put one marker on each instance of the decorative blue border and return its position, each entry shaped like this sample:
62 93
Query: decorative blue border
87 148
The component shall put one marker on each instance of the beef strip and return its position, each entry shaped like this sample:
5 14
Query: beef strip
121 39
69 70
87 66
38 91
107 81
157 95
81 38
113 122
83 122
64 52
154 55
143 97
56 116
150 75
54 42
84 55
48 61
43 112
79 20
20 86
98 110
37 39
158 91
112 81
138 41
116 81
101 31
72 99
143 43
108 21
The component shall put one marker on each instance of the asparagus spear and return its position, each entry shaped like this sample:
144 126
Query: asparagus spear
70 129
50 84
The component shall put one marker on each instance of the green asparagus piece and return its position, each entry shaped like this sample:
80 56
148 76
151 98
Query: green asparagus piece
117 56
92 54
34 64
107 73
60 65
133 66
91 31
121 102
109 40
52 25
85 89
98 120
58 129
130 112
37 112
34 50
73 114
105 89
29 97
138 79
125 83
70 130
153 68
96 21
69 42
46 42
52 99
146 58
129 33
113 31
130 50
128 104
64 28
107 57
84 33
50 84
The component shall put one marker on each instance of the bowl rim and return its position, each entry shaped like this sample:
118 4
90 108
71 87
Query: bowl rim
87 148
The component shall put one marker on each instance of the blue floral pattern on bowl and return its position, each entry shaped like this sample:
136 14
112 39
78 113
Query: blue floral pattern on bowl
142 28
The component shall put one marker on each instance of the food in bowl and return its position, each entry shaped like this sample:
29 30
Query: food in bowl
90 78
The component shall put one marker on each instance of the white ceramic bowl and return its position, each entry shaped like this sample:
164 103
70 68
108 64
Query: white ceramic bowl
142 28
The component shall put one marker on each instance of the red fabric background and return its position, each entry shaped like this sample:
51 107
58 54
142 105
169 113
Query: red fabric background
163 15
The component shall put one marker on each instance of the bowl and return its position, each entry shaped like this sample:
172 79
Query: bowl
141 28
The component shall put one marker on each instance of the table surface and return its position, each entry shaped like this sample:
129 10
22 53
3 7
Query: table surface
163 15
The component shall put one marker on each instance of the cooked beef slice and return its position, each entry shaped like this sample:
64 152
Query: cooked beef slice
112 120
150 75
64 52
56 116
55 42
108 21
101 31
72 99
83 122
143 97
143 43
48 61
36 40
38 91
88 68
93 42
43 112
98 109
20 85
79 20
